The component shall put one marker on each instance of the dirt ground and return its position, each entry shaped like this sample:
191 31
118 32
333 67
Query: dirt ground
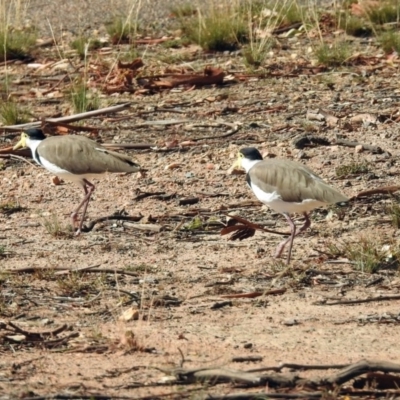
174 274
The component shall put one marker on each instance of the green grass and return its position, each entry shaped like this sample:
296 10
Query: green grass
10 207
76 284
195 223
55 228
387 11
263 17
394 212
83 44
220 28
82 99
368 254
183 10
176 43
389 42
11 113
333 55
121 30
354 26
354 168
16 44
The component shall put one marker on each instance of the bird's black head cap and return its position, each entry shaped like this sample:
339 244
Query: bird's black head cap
35 134
251 153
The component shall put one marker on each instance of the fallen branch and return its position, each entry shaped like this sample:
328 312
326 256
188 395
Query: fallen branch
39 334
215 375
247 359
142 195
348 143
357 369
358 301
70 118
91 225
211 76
33 270
380 190
235 129
128 146
254 294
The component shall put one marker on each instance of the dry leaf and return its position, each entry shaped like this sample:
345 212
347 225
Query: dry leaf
131 314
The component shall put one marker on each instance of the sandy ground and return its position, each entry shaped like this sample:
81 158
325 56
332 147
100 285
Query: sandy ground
179 275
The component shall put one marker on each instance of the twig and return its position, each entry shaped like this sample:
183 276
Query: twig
254 294
32 270
39 334
143 195
70 118
348 143
90 226
360 368
128 146
235 128
80 269
359 301
380 190
247 359
303 367
23 159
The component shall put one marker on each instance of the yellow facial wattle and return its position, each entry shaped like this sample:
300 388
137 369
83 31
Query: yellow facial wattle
22 142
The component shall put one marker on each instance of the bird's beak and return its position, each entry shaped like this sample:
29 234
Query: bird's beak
237 164
21 144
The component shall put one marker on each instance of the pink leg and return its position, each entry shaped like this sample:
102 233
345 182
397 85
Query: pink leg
290 239
89 189
281 246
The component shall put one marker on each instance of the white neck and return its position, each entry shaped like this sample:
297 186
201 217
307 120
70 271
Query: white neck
33 144
249 164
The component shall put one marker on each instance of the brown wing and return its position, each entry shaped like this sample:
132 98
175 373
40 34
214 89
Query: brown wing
80 155
295 182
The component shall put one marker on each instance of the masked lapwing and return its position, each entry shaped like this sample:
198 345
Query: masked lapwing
77 159
286 187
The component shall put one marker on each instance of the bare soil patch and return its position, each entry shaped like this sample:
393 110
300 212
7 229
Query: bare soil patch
81 293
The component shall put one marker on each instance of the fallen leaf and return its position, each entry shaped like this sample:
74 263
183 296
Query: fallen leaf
131 314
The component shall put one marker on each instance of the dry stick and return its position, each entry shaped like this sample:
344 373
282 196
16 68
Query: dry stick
142 195
55 85
348 143
359 301
235 128
90 226
360 368
222 375
380 190
246 359
128 146
80 269
252 295
18 158
60 341
303 367
265 395
32 270
46 333
70 118
73 127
